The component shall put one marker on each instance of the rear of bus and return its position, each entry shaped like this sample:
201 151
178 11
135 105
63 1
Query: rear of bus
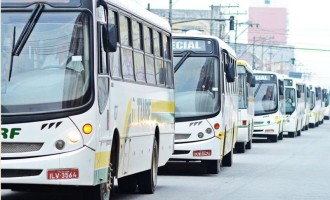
246 83
313 117
326 104
267 107
294 108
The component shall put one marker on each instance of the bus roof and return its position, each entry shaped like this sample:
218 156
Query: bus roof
247 66
141 13
222 44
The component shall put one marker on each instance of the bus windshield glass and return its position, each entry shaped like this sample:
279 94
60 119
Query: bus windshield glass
197 87
290 100
52 72
265 94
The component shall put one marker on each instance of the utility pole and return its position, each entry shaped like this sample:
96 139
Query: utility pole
211 22
170 12
270 58
253 60
148 7
235 36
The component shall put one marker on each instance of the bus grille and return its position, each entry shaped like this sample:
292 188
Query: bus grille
7 147
182 136
11 173
258 123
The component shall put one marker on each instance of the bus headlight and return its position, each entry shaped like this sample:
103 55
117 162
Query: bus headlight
74 136
200 135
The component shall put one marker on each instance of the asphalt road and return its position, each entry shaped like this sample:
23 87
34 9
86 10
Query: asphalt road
295 168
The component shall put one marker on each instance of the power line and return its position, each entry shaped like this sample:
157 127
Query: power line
286 47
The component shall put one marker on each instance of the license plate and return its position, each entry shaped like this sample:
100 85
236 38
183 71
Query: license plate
63 174
202 153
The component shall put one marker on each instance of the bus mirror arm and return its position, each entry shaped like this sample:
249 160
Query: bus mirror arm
110 37
253 81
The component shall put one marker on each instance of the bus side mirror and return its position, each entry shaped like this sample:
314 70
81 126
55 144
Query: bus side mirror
253 81
230 72
298 94
110 37
281 90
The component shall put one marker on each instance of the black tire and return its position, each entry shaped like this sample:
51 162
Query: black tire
128 184
317 124
280 136
102 191
299 133
147 180
273 138
212 166
311 125
249 144
240 147
306 127
291 134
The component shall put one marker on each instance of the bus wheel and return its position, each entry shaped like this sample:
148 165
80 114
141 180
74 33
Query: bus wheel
299 133
280 136
306 127
273 138
311 125
127 184
101 191
292 134
212 166
240 147
249 144
148 179
316 124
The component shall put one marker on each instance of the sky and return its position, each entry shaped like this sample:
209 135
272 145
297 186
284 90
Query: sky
308 28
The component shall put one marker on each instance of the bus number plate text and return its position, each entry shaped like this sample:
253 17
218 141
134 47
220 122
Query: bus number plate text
202 153
63 174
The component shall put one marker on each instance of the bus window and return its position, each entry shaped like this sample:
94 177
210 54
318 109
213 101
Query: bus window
150 70
140 74
136 27
160 72
156 43
147 39
124 31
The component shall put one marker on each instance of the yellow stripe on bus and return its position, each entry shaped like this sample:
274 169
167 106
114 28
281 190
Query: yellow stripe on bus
102 159
128 114
162 106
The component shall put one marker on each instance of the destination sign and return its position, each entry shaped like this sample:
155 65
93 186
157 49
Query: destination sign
288 82
192 45
264 77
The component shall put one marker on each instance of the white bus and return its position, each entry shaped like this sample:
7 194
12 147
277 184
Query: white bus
294 106
315 106
106 111
307 106
269 109
326 104
246 83
205 101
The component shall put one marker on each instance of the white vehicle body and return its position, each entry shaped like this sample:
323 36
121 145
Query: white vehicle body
326 104
206 101
294 106
315 106
246 106
83 126
268 112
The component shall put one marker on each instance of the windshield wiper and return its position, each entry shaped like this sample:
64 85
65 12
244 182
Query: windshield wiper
25 34
181 61
28 28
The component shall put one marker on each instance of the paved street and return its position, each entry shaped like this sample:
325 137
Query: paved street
295 168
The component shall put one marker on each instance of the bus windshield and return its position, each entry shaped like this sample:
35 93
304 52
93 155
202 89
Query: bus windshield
290 100
52 72
197 87
265 96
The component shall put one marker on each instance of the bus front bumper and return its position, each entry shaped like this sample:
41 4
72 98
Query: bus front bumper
266 130
34 170
200 150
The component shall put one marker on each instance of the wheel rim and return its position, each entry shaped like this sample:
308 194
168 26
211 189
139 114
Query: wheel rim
154 166
106 187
